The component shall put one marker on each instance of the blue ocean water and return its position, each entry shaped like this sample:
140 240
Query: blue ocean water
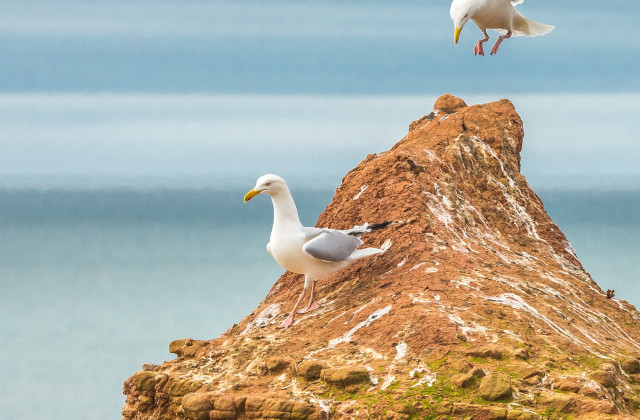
97 282
604 229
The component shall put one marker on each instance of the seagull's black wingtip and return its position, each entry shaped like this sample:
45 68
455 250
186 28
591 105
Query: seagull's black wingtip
377 226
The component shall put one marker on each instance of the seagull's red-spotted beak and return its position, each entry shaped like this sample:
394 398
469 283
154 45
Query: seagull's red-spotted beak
456 35
248 196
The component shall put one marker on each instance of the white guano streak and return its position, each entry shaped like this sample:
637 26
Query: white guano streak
347 336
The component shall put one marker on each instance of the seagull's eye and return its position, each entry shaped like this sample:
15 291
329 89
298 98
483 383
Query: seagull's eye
267 184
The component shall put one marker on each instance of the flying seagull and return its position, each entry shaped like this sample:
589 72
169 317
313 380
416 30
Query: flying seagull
500 15
311 251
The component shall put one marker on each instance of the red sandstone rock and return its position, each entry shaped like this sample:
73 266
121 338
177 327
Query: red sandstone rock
310 370
346 376
495 386
476 264
562 403
278 364
448 103
631 366
605 378
570 384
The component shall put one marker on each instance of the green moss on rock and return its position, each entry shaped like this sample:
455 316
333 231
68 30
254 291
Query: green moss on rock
145 381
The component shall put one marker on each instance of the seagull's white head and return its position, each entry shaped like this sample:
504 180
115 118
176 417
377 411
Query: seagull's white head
267 184
461 11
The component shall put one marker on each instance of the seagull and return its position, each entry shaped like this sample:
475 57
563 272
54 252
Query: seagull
314 252
500 15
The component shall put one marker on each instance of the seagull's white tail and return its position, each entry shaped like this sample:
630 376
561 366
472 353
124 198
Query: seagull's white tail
365 252
367 228
528 27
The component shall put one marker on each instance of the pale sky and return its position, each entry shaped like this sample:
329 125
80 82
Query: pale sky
319 47
302 88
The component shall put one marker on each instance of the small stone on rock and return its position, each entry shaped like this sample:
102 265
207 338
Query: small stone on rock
495 386
522 354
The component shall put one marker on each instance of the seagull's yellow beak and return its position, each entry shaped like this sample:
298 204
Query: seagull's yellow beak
456 35
248 196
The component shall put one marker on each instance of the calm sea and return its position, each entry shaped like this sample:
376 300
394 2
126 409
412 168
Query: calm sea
96 283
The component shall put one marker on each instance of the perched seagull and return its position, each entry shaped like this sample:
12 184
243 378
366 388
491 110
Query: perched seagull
311 251
500 15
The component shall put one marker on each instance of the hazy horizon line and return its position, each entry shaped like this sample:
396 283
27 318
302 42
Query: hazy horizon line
327 181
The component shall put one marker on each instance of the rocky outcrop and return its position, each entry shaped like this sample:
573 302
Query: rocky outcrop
495 386
480 307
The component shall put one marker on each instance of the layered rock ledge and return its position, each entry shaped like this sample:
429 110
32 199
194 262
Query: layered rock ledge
480 308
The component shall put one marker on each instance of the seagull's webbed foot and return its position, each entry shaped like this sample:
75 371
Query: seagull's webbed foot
313 305
287 322
478 49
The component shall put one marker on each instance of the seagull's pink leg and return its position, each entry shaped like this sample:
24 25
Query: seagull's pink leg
289 321
478 48
499 41
312 302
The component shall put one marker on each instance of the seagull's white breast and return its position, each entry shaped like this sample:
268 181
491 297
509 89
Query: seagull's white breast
286 248
494 14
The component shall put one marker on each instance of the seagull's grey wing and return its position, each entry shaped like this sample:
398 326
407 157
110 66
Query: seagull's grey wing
311 232
331 245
